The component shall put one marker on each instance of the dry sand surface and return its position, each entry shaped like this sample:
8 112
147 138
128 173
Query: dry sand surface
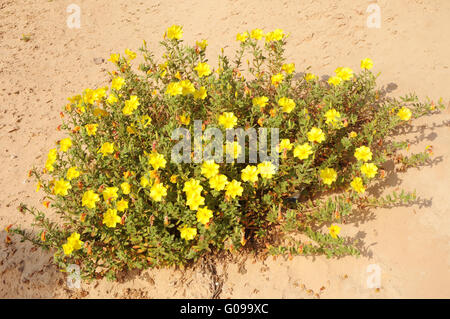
411 50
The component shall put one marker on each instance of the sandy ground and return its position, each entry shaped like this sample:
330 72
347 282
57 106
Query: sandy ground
411 50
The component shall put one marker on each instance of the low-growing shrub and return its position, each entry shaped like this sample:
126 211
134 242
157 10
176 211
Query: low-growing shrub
123 202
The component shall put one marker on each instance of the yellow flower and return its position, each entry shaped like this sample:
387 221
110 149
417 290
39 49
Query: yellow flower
185 119
234 189
328 175
287 104
187 87
266 169
357 185
234 149
131 129
404 113
100 93
144 182
202 44
210 169
61 187
277 79
117 83
73 243
114 58
332 116
316 135
126 188
344 73
218 182
303 151
228 120
107 148
81 109
158 191
192 186
204 215
363 153
275 35
334 231
131 54
91 129
110 218
49 166
260 101
187 233
89 96
288 68
174 88
366 64
257 34
369 170
335 80
353 134
242 36
110 193
203 69
131 105
72 173
250 174
157 160
145 120
261 121
175 32
74 99
65 144
68 249
112 99
200 93
99 112
310 77
38 186
285 144
52 154
163 66
122 205
51 158
195 200
89 199
173 179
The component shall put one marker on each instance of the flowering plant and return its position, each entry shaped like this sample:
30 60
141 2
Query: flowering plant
124 203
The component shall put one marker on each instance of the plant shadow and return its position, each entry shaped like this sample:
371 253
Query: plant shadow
26 270
392 180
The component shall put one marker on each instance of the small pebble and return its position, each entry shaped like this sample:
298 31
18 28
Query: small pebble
99 60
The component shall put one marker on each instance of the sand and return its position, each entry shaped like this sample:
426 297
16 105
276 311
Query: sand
409 245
